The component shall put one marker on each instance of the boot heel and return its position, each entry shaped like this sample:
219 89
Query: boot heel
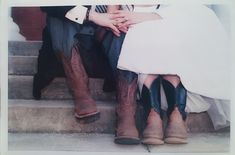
127 140
89 118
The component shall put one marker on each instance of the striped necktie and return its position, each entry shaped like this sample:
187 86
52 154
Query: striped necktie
101 8
131 7
127 7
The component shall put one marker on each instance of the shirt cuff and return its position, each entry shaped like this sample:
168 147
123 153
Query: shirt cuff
77 14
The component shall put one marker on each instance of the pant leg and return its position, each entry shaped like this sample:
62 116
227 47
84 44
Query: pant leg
54 41
112 45
66 34
62 34
48 67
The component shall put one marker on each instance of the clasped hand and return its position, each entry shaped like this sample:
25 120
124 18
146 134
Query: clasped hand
118 21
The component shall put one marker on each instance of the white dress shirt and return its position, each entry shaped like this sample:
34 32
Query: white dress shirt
77 14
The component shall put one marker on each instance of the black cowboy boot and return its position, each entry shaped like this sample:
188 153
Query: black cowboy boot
151 100
176 132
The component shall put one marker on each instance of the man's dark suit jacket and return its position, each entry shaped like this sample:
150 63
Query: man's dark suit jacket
49 67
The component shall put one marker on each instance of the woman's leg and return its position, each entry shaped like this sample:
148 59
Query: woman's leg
173 79
150 98
149 80
175 92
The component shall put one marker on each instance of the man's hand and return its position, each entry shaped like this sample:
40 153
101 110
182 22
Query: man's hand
106 20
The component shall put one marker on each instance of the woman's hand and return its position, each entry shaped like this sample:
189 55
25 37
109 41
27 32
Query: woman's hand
127 18
106 20
123 29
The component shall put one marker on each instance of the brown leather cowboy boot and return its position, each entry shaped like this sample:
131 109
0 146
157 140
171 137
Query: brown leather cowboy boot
176 131
126 131
85 106
151 101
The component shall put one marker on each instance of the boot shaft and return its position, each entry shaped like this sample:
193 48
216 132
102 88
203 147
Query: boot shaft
126 91
176 97
151 98
76 75
126 131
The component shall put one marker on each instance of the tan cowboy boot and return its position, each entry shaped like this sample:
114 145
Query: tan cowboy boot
176 131
150 98
126 131
153 133
85 106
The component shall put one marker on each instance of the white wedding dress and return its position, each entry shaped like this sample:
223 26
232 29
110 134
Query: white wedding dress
188 41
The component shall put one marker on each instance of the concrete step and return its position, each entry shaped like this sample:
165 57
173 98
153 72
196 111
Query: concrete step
22 65
58 116
24 48
20 87
197 143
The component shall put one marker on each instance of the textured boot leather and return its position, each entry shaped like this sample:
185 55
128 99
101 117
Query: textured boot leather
153 133
126 109
176 128
176 131
79 84
151 99
176 97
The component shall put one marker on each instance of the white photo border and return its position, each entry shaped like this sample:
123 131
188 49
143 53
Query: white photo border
5 4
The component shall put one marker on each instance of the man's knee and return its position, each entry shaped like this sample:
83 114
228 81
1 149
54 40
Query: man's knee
128 75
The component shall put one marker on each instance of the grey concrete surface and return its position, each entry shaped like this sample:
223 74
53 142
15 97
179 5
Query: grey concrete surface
22 65
20 87
197 143
57 116
24 48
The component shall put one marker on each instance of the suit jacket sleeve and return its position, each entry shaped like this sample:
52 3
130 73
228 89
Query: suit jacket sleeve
58 11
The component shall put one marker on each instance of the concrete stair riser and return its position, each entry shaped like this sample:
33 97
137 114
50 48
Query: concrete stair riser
22 65
58 116
20 87
55 116
24 48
